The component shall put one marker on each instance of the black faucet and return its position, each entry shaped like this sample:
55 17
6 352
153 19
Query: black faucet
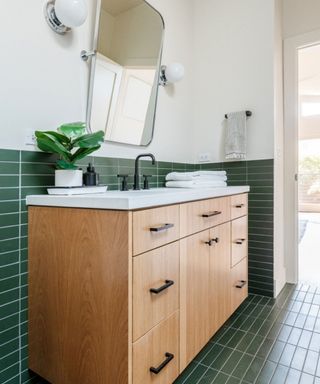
136 184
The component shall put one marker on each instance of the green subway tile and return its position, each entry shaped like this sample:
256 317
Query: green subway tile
9 322
9 360
8 373
37 169
191 374
9 335
9 207
255 344
23 242
24 266
24 303
220 360
257 163
234 164
9 155
165 165
221 378
23 206
126 163
232 362
24 291
9 283
27 191
8 233
9 296
212 354
253 370
233 380
9 168
242 366
9 194
8 310
38 157
107 171
266 373
36 180
9 258
265 347
106 161
24 217
9 245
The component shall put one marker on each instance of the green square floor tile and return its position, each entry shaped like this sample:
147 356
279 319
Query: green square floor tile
208 376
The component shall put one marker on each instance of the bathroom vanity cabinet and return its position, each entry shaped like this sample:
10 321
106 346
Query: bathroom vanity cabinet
131 296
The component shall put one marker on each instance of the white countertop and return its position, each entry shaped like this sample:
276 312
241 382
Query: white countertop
131 200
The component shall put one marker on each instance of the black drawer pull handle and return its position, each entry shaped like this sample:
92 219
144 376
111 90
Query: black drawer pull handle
210 242
242 284
240 241
169 357
212 214
168 284
239 205
161 228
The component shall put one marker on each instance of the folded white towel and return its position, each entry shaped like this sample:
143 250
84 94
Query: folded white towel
193 184
204 175
236 136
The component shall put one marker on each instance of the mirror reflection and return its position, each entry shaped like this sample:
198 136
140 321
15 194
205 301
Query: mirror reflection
126 71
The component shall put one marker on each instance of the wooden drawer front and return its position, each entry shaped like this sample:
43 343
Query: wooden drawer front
239 284
154 349
155 227
201 215
239 240
239 206
154 270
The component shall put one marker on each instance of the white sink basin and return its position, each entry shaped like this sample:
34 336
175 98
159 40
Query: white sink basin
131 200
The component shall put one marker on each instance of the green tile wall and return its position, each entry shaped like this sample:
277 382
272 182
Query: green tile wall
23 173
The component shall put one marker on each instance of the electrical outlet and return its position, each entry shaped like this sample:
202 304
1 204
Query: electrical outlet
30 138
204 157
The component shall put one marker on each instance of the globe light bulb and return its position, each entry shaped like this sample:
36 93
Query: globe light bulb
174 72
71 13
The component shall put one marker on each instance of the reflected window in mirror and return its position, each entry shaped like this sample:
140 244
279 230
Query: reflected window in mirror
126 71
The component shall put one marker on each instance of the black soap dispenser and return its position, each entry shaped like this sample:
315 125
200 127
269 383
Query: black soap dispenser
90 178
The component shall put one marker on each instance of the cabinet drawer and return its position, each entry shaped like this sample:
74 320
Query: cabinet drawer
155 227
239 206
239 283
158 271
158 351
201 215
239 240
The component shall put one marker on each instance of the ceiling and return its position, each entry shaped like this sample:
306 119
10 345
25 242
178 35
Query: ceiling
309 71
115 7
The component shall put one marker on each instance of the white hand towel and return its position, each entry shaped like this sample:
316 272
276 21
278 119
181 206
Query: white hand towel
236 136
189 176
192 184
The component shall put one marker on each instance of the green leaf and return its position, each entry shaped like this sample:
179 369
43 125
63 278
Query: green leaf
90 140
61 138
48 143
73 130
83 152
62 164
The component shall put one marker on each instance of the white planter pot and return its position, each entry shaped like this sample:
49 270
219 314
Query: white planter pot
68 178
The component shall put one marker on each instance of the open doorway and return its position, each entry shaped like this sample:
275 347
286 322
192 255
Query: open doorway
309 165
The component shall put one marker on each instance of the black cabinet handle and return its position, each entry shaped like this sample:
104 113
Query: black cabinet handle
211 214
161 228
169 357
240 241
239 205
242 284
168 284
210 242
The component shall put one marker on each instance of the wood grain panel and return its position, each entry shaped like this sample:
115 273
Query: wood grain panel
78 295
144 239
150 350
239 205
151 270
239 240
194 296
239 277
220 287
191 215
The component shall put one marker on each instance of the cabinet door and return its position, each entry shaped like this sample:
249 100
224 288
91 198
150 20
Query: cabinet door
220 289
239 240
194 295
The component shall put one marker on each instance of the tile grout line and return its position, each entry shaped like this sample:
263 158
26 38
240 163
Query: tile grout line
20 289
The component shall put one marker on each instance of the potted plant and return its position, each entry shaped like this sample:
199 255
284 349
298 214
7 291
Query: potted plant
71 143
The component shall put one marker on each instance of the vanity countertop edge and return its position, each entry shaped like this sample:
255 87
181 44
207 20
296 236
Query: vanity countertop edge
127 201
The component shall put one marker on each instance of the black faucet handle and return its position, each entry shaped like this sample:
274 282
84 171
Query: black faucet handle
124 182
146 181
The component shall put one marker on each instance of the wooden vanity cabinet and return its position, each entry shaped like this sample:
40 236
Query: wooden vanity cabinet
130 297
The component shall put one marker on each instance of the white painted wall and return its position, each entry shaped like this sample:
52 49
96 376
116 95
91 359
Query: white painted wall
43 81
234 71
300 16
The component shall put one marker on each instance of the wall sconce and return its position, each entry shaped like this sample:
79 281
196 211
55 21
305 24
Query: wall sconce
62 15
171 73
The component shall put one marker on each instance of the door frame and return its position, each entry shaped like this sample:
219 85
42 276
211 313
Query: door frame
291 153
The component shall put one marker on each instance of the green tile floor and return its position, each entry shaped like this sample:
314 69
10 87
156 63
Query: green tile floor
265 341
